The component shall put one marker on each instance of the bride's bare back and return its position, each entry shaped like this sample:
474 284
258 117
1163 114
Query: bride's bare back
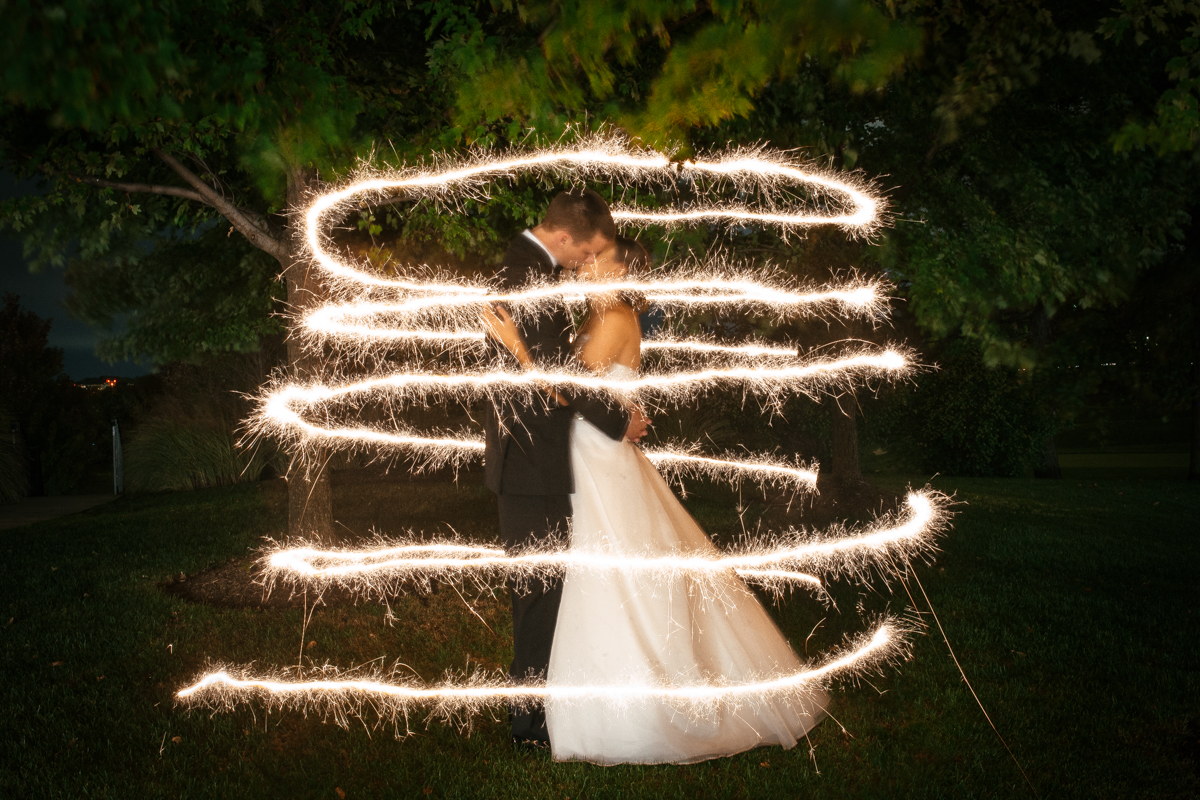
610 335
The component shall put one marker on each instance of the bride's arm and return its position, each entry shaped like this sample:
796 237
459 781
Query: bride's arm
500 326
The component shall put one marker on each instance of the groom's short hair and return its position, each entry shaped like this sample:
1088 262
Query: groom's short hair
582 213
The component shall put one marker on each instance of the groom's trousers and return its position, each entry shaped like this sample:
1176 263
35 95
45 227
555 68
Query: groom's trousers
527 520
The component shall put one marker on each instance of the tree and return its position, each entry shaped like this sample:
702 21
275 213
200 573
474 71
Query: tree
1001 129
1040 210
1172 128
156 131
1171 28
31 369
54 424
664 69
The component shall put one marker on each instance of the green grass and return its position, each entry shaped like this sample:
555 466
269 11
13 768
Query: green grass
1072 606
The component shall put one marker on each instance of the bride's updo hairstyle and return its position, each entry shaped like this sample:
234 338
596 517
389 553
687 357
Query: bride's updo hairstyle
636 258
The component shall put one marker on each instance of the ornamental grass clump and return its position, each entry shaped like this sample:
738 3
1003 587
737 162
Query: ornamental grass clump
189 437
167 454
13 482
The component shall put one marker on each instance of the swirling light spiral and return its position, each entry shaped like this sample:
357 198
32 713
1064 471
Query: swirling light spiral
370 313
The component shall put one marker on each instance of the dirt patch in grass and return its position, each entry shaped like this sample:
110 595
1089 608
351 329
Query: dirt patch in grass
366 501
237 583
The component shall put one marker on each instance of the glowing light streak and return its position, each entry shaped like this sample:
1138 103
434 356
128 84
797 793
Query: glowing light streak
418 385
676 464
787 558
739 214
329 321
601 157
752 350
354 320
337 695
331 324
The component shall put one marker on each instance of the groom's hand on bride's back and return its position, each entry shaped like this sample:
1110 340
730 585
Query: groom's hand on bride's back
638 423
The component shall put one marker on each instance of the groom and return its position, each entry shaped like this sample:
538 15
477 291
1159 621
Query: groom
527 460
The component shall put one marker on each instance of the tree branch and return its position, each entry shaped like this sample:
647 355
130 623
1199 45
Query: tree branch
253 230
148 188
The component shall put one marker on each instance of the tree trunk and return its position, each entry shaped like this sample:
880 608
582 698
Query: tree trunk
310 494
846 469
1194 460
1049 467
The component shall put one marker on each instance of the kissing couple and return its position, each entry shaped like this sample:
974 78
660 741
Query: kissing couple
566 469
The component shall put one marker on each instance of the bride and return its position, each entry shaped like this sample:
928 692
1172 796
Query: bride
619 628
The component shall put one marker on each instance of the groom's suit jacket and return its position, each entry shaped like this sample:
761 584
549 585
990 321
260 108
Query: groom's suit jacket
528 443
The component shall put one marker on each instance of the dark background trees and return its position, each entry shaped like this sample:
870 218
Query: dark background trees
1038 156
57 432
157 131
1041 153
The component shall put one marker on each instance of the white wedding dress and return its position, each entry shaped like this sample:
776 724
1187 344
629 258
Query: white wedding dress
620 628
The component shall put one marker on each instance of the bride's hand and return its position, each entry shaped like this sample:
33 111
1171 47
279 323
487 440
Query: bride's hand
638 423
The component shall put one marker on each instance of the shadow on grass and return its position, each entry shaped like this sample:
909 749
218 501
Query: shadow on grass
1072 606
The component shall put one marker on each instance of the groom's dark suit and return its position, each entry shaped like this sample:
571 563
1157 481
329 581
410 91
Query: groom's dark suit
528 465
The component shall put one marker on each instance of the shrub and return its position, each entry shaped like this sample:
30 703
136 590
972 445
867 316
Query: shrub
170 454
13 483
188 439
965 419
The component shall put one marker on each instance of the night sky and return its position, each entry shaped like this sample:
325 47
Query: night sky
43 294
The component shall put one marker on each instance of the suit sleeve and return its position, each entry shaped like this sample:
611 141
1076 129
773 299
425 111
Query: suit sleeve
610 417
522 261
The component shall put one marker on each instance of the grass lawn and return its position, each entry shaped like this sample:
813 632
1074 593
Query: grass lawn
1072 606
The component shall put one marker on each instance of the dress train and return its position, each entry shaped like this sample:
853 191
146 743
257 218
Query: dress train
623 628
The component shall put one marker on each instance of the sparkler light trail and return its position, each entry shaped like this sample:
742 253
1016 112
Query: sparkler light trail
330 321
750 171
387 567
370 316
423 386
282 412
353 320
676 463
339 697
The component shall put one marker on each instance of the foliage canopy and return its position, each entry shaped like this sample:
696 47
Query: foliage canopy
1042 153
